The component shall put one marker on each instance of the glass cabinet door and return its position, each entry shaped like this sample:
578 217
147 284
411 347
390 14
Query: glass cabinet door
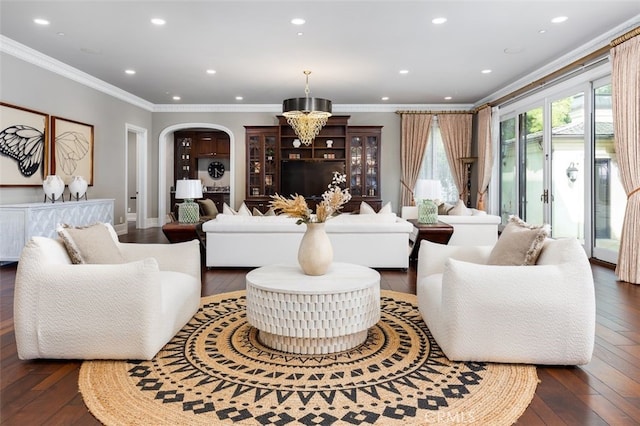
270 169
255 166
371 171
355 166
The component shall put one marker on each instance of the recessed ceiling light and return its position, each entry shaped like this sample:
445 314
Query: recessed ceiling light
41 21
298 21
210 71
176 98
239 98
542 31
300 33
439 21
559 19
485 71
404 71
385 98
447 98
130 72
158 21
60 33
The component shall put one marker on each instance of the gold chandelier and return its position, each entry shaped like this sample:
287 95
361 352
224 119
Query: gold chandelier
307 116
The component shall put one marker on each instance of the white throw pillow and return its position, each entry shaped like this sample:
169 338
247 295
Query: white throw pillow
386 208
244 210
365 208
228 210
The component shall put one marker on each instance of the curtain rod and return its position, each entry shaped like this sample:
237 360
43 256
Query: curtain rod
626 36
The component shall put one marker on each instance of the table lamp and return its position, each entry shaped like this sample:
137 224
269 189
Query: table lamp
426 191
188 190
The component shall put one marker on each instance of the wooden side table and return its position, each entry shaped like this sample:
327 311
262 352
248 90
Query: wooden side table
436 233
177 232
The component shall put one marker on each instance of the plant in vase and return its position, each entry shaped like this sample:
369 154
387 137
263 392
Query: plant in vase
315 253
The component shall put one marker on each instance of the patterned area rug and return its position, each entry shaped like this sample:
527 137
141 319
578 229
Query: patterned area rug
216 372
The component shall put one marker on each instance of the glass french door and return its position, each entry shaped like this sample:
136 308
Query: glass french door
542 165
567 183
558 165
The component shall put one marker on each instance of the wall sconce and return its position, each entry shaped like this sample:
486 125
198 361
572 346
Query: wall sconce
572 172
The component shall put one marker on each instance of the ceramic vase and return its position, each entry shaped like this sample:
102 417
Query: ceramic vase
315 253
78 187
53 187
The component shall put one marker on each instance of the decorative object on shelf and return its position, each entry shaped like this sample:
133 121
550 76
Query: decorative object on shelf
315 253
269 154
188 190
307 116
256 167
296 143
53 187
572 172
468 161
329 143
78 188
215 169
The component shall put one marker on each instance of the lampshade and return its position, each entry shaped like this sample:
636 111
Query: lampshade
188 189
427 189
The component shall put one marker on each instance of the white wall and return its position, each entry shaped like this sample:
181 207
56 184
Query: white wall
26 85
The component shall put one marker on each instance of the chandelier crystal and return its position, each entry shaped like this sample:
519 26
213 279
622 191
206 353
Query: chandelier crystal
307 116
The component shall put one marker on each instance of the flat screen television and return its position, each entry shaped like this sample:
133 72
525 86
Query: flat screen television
307 178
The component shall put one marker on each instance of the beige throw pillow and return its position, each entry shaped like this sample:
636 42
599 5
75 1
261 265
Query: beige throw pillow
519 243
208 207
90 244
460 209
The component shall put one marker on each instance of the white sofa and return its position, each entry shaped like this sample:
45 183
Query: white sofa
538 314
479 228
113 311
373 240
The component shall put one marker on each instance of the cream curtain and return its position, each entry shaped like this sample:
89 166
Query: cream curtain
485 157
625 82
456 138
413 144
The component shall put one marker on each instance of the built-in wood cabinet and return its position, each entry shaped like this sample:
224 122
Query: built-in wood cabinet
189 145
276 163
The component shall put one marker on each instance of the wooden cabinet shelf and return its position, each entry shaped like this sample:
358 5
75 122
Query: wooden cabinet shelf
345 147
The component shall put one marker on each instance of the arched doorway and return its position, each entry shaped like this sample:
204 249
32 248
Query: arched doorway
165 140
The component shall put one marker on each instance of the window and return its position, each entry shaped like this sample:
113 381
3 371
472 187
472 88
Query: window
436 167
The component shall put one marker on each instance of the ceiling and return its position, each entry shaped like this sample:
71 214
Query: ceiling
355 49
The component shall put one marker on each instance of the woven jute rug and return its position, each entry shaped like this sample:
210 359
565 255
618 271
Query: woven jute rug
216 372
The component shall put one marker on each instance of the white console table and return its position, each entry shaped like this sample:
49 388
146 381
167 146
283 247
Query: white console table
20 222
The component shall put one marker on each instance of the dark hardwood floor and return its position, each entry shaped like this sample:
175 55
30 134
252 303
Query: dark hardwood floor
606 391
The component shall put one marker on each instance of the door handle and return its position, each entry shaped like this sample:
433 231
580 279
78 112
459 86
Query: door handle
545 196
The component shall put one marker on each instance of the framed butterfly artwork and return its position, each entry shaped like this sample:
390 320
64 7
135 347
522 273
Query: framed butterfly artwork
71 149
23 150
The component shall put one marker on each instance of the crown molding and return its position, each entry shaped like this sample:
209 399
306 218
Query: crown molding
336 109
565 60
27 54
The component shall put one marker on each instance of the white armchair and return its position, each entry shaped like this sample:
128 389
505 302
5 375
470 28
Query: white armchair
115 311
539 314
